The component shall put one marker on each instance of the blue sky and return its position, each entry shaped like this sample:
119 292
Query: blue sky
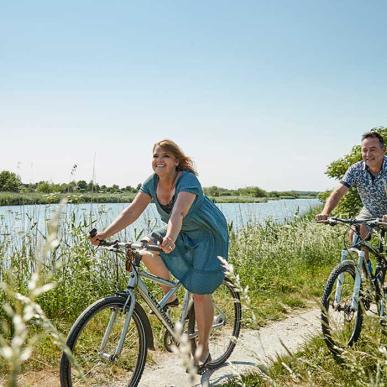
258 93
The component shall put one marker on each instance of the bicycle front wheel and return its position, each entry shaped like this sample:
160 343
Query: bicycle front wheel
341 325
226 324
93 340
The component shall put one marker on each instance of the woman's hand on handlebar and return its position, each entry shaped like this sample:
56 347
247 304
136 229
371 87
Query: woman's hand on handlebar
96 237
168 245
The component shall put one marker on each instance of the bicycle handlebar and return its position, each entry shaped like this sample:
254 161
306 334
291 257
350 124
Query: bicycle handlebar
373 222
117 244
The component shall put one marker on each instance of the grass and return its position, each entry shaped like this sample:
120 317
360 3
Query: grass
365 364
13 199
284 267
362 365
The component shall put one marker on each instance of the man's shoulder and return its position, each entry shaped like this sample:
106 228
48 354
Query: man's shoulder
358 164
385 164
355 167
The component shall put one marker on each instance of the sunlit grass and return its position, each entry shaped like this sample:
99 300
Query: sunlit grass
283 266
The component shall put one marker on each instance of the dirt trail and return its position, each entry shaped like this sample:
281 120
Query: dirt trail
253 348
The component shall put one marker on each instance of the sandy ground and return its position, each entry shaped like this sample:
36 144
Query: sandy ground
254 348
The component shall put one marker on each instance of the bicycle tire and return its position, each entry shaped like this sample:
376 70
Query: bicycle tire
224 335
341 326
85 338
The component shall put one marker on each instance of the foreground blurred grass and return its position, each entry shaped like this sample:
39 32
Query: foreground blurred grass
284 266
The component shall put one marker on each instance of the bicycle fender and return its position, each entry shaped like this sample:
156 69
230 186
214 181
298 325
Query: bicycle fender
148 330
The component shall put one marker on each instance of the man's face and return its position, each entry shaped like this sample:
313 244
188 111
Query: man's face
372 152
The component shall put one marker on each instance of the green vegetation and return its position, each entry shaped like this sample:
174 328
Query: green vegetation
219 193
350 204
314 365
283 265
14 192
81 192
10 199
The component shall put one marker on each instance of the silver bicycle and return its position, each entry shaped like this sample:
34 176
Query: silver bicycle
353 287
110 339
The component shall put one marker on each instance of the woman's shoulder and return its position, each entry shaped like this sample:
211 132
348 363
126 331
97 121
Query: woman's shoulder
148 185
189 182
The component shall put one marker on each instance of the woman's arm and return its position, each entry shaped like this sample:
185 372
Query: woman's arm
127 217
180 209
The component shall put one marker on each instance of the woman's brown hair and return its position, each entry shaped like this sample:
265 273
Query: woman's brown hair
185 162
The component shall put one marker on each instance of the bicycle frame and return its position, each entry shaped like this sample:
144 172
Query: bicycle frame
136 282
361 266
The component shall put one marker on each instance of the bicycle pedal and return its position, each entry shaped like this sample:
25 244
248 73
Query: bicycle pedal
172 304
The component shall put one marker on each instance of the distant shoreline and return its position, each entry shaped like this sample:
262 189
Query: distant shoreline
17 199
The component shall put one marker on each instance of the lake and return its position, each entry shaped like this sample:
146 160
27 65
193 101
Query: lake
20 220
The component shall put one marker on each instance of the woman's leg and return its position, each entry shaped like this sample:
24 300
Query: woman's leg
156 266
204 312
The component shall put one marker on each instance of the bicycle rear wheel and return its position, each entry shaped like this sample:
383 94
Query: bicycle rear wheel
226 325
341 325
85 341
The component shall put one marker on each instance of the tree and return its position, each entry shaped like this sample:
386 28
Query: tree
351 203
44 187
212 191
9 181
82 185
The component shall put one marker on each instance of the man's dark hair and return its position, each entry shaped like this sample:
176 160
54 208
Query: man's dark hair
373 134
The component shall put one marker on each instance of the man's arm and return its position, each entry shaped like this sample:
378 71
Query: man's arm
332 202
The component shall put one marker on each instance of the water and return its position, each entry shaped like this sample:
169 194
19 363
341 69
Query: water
20 220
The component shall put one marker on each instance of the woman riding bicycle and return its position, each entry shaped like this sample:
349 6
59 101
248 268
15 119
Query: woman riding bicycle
194 236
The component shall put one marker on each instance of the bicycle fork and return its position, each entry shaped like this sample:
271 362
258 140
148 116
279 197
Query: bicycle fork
128 310
358 279
339 286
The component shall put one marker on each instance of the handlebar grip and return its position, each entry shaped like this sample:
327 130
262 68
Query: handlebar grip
157 237
93 233
154 248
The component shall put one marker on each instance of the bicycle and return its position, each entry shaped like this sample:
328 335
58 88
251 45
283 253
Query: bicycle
110 339
352 287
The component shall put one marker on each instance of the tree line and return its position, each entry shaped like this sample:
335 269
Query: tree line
11 182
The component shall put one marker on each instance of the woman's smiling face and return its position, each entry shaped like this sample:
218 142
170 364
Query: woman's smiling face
164 162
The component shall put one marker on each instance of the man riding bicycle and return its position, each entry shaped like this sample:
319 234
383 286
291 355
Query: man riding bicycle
369 177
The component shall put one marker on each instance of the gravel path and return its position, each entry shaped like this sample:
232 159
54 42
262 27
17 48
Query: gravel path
253 348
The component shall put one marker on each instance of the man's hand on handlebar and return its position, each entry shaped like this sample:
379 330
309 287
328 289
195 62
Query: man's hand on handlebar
321 218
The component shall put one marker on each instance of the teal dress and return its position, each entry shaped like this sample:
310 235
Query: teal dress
203 237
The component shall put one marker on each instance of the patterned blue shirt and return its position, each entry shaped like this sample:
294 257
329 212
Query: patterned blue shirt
372 188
